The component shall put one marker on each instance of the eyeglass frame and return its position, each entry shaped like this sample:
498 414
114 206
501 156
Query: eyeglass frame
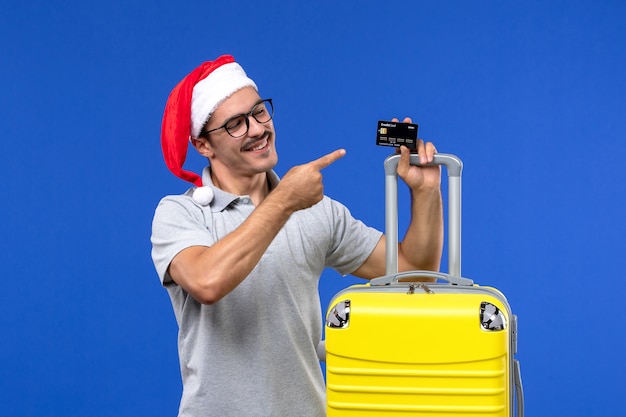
204 133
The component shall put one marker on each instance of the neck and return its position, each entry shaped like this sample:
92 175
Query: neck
256 186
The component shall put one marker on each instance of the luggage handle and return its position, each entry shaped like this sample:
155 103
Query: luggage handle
395 278
519 389
454 167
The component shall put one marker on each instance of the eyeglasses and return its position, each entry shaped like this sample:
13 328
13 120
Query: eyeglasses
237 126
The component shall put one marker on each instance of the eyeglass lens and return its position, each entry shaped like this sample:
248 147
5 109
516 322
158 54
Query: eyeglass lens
239 125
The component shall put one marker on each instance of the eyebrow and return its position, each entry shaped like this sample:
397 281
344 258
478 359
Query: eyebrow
243 114
204 129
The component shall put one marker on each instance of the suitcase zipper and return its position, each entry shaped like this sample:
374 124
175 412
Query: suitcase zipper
421 285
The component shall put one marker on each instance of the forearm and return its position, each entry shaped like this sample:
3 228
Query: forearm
209 273
422 245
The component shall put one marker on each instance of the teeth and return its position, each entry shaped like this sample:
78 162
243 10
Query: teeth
260 146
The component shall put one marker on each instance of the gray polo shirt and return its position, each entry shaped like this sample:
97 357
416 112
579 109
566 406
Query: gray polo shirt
253 352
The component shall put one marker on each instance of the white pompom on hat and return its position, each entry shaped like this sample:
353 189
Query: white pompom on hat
191 103
203 195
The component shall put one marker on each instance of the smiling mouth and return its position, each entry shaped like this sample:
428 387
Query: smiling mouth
258 146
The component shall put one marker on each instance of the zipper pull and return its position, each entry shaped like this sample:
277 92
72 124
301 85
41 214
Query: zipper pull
421 285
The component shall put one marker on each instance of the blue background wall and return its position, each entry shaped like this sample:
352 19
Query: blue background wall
531 96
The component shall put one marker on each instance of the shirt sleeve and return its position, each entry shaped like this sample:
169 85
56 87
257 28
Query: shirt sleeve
177 225
352 240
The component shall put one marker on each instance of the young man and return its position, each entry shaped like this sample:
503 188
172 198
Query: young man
241 253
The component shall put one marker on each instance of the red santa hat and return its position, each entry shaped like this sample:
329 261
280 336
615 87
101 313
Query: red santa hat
191 103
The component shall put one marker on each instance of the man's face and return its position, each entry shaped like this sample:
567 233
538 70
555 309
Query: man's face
254 152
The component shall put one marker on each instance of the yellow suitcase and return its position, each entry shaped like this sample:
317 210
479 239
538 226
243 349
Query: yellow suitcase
398 346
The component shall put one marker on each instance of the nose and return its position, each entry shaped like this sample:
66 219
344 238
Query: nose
255 128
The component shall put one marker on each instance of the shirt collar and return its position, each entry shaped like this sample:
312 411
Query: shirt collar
221 198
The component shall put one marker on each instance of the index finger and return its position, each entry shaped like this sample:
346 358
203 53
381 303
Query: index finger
327 159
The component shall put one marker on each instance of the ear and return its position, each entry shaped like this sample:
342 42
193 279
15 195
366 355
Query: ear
203 147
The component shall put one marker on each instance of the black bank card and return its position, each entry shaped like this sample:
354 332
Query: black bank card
396 134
